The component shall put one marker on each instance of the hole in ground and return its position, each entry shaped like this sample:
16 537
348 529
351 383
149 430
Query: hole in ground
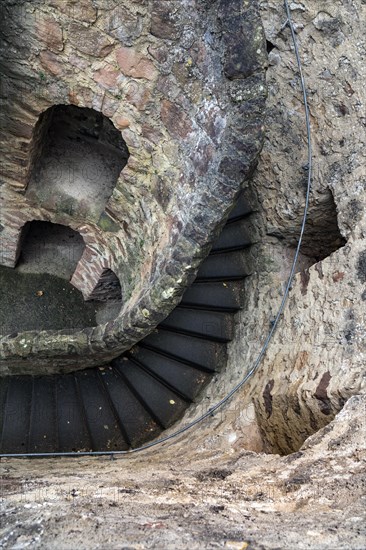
322 235
286 422
37 294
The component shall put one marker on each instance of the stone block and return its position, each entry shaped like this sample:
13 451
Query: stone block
106 76
133 63
163 24
49 32
52 63
175 119
89 40
80 10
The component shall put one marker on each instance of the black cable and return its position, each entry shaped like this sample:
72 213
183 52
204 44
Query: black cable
262 353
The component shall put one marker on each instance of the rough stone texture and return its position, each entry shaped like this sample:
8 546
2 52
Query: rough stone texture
318 356
216 487
108 287
186 496
193 130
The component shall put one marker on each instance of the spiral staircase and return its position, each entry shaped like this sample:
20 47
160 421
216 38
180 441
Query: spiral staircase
147 389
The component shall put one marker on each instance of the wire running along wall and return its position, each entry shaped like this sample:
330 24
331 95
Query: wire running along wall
212 410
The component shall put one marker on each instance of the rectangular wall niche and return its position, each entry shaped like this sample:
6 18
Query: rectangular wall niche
77 155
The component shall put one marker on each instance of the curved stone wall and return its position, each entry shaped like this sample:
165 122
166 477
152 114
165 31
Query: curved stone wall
175 80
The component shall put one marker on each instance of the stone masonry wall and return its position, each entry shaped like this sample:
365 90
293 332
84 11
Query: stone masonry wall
173 78
317 358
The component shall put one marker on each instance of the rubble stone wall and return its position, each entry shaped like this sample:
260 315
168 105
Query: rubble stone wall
316 360
172 78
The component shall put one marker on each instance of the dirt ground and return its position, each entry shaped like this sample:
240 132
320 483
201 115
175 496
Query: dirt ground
313 499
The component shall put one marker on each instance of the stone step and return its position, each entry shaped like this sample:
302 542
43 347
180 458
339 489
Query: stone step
184 379
219 296
164 405
211 325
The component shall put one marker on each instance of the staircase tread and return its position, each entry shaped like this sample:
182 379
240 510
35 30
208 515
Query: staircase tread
137 423
101 420
212 325
17 408
234 236
198 352
215 295
73 433
164 405
225 266
241 209
181 378
42 429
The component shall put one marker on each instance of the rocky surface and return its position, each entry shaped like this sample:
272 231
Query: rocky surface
185 497
317 358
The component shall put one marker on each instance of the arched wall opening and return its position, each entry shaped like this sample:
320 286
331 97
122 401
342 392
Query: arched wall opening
37 293
52 248
108 287
59 250
76 157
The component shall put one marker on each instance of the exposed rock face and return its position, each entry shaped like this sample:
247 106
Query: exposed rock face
168 76
186 496
317 358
